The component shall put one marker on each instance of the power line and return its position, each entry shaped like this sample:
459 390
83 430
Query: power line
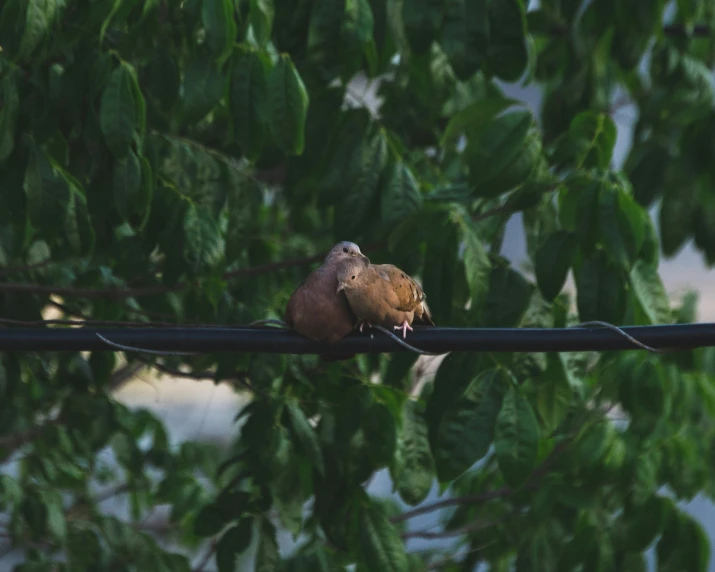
442 340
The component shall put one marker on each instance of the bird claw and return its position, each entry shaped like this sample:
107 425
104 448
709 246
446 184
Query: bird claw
404 326
362 324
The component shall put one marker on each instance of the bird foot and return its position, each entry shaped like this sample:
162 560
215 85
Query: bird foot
404 326
363 323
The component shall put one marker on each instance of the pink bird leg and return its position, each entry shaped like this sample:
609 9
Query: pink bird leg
404 326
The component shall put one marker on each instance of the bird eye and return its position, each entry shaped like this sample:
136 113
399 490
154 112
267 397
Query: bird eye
345 249
353 276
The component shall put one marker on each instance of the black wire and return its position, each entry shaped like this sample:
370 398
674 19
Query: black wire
430 339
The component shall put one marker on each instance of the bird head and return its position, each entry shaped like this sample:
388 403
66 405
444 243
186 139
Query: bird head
348 274
346 251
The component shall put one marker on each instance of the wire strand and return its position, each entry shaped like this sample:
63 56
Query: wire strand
142 350
404 344
620 332
437 340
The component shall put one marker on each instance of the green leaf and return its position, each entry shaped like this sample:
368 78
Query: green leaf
465 35
126 184
139 102
381 547
554 394
645 522
261 15
56 524
646 165
683 544
146 194
8 115
454 375
38 21
507 55
553 262
288 105
127 452
439 271
507 298
620 225
357 26
586 192
208 521
118 112
34 513
233 543
305 435
84 549
677 214
10 492
324 34
47 193
516 438
217 18
368 163
380 434
203 86
267 556
600 290
203 247
421 20
503 154
475 116
466 428
400 195
249 93
414 466
477 266
591 139
649 291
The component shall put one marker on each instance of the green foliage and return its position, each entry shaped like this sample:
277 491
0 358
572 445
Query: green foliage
161 161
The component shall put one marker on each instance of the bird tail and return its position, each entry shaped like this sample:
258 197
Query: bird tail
424 317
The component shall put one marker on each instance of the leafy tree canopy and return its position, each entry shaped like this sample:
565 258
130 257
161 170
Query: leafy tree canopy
184 162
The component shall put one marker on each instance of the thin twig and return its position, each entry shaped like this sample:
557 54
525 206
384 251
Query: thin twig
476 525
502 492
28 267
198 375
118 293
112 492
19 439
207 557
124 374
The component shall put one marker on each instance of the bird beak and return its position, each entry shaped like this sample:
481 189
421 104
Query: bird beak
341 286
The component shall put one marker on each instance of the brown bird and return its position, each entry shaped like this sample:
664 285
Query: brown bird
316 309
383 294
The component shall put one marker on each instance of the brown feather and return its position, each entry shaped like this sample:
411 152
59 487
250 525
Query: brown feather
383 294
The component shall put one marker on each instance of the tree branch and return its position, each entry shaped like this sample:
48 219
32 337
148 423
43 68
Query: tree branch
476 525
454 501
17 440
118 293
697 31
124 374
28 267
207 557
532 482
198 375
